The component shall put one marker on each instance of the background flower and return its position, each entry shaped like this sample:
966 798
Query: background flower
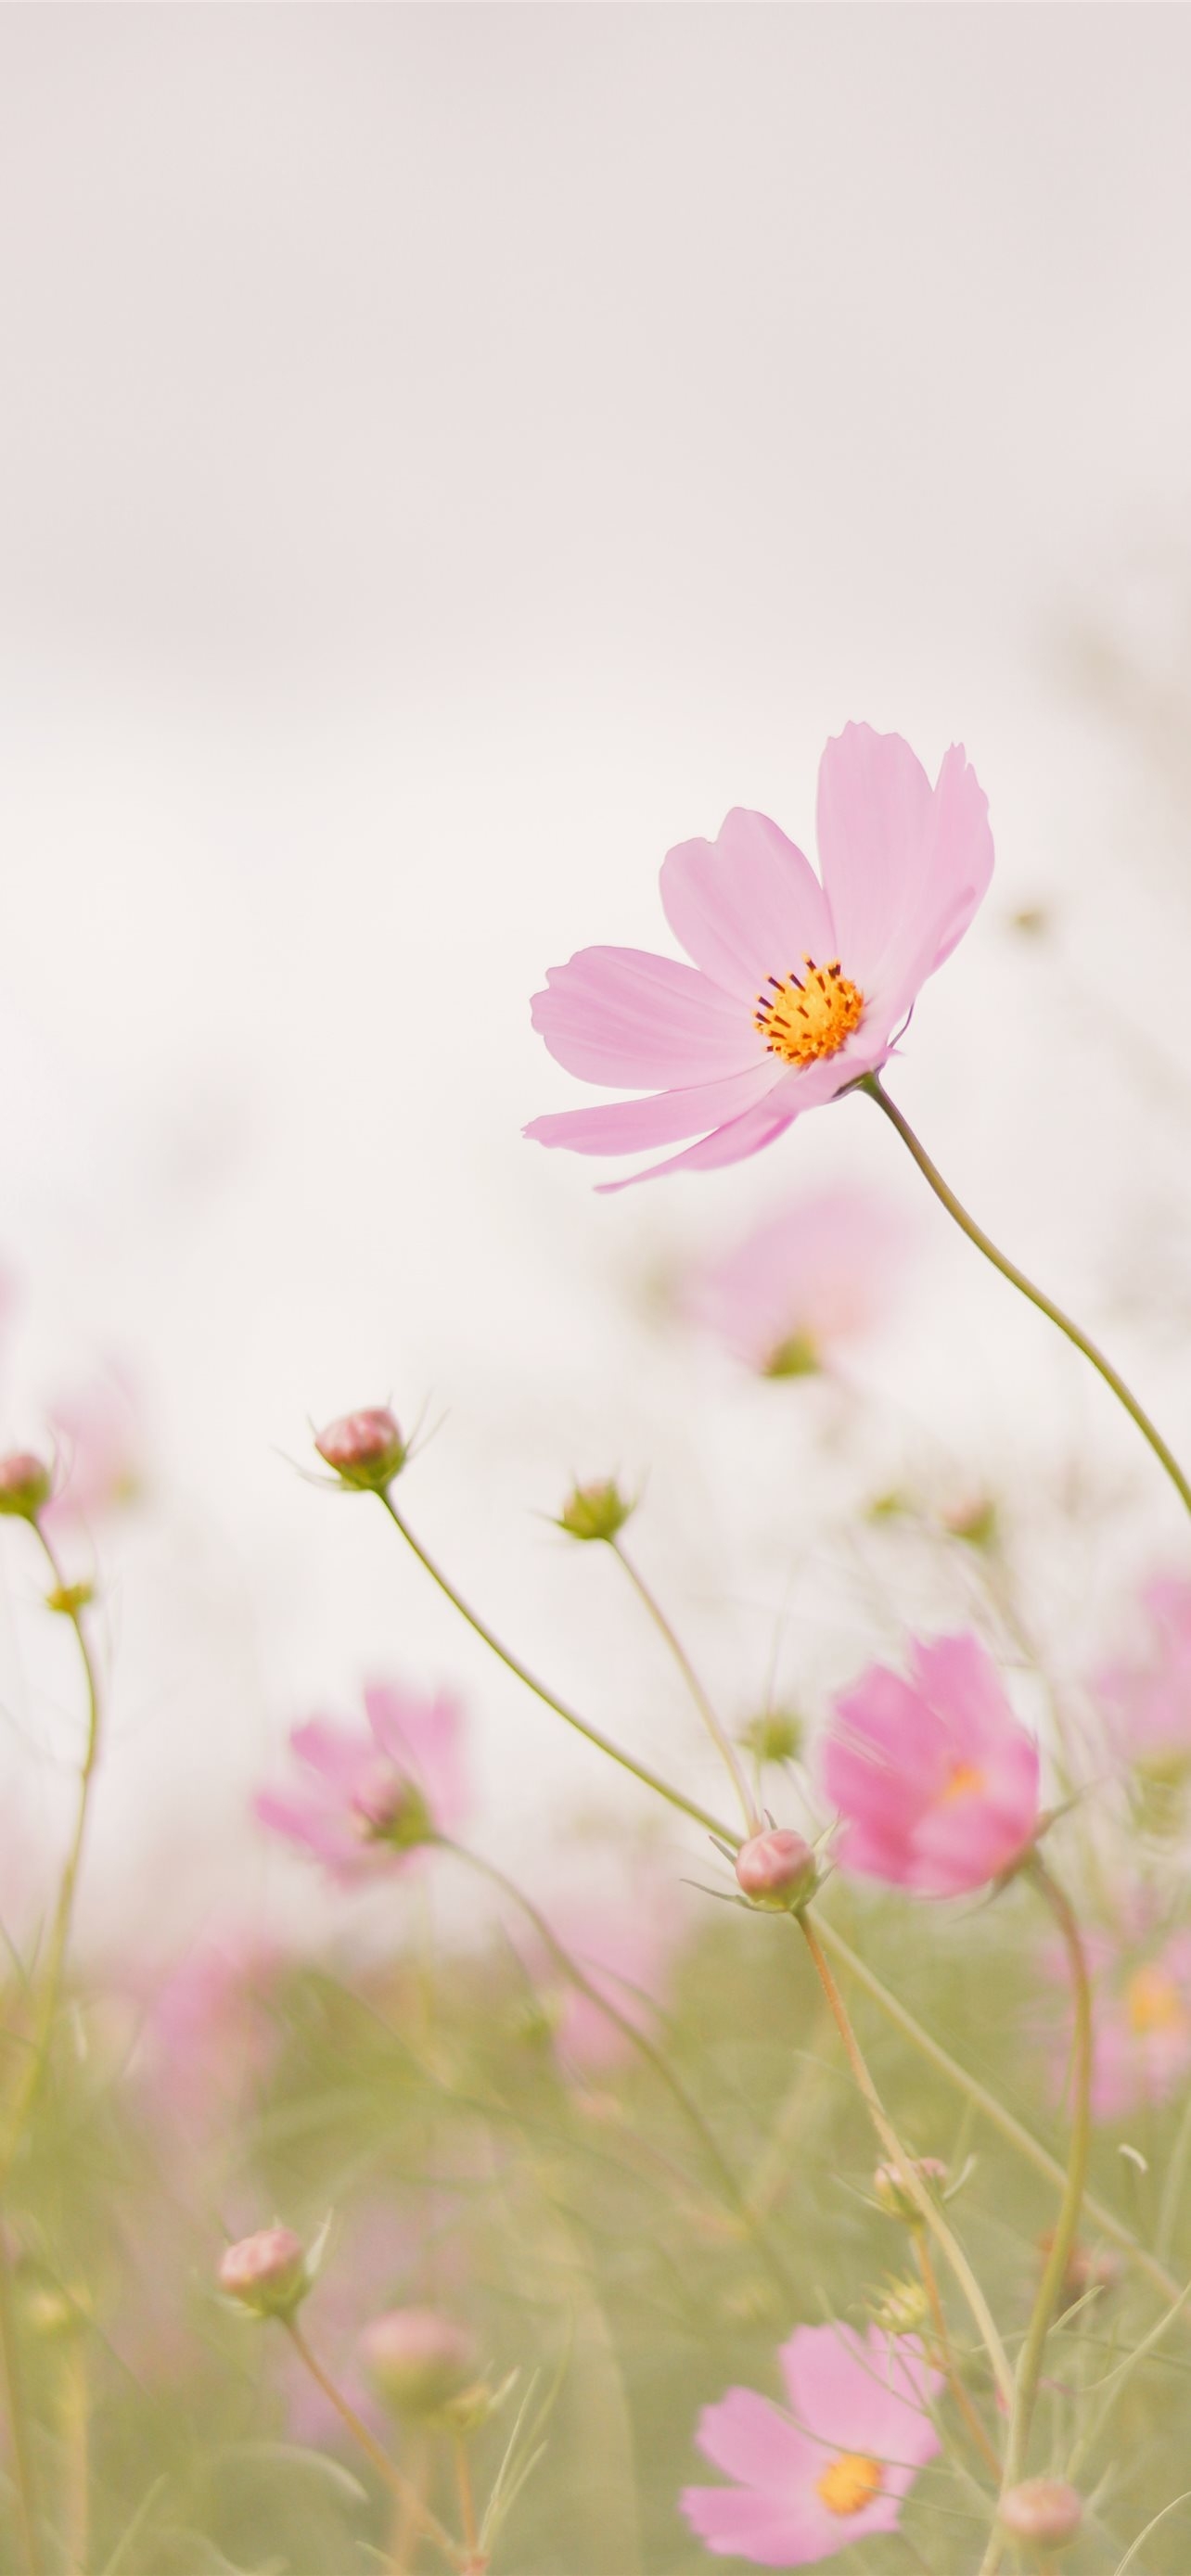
936 1781
817 1273
375 1798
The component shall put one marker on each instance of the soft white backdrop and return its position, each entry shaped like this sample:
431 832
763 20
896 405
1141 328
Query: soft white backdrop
446 456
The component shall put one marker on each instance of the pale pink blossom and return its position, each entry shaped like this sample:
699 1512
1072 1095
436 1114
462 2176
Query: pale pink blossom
796 988
98 1444
625 1949
816 1274
1141 2020
209 2033
374 1798
936 1780
1147 1698
832 2466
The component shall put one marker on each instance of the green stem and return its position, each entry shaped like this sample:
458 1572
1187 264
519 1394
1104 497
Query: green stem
1172 2188
64 1912
10 2369
653 2057
615 1752
871 1083
398 2485
911 2181
722 1742
1029 2360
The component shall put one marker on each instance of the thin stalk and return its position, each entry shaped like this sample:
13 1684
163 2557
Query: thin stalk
23 2482
910 2180
51 1982
871 1083
1115 2381
476 2558
1029 2360
615 1752
1011 2128
385 2468
1172 2188
721 1740
947 2358
76 2428
652 2056
405 2529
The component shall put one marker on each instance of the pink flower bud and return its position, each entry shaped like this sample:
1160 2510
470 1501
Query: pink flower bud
266 2272
777 1869
25 1485
418 2360
365 1449
594 1511
1042 2509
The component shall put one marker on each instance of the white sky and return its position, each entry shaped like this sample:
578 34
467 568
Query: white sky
447 455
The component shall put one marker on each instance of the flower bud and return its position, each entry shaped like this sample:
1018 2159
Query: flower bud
797 1356
777 1869
775 1737
266 2272
25 1485
419 2362
891 2193
904 2309
974 1521
1043 2509
594 1511
365 1449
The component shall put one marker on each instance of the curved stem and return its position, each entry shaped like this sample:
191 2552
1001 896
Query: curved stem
615 1752
907 2174
1011 2128
1029 2363
386 2468
59 1943
871 1083
947 2360
722 1742
733 2190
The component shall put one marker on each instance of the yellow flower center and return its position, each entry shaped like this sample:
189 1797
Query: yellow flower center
963 1780
1153 2002
808 1016
849 2483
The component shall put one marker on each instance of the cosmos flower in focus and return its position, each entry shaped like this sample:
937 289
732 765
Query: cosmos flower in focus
832 2470
796 988
934 1777
374 1798
809 1279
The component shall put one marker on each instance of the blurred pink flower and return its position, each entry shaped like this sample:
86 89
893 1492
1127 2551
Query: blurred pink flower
1141 2006
97 1440
734 1047
1148 1700
209 2035
376 1798
626 1949
834 2469
934 1777
817 1274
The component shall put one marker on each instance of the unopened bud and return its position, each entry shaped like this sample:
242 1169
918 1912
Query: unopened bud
25 1485
1043 2509
266 2272
69 1598
904 2309
54 2314
797 1356
420 2362
365 1449
594 1511
974 1521
777 1869
775 1737
891 2193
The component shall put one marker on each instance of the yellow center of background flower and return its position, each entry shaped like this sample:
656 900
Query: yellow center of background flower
1153 2002
849 2483
808 1016
963 1780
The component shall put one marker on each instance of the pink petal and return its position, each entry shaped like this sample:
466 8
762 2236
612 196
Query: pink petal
858 2392
904 867
749 2438
623 1126
749 1133
736 2522
747 905
342 1756
623 1016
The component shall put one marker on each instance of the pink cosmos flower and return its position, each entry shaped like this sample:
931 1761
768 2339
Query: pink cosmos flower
209 2033
374 1799
806 1280
934 1777
626 1953
1141 2006
1148 1701
833 2469
98 1451
797 988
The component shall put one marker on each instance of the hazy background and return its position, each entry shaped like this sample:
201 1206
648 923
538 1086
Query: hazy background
448 455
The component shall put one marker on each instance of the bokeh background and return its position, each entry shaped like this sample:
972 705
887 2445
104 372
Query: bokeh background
448 455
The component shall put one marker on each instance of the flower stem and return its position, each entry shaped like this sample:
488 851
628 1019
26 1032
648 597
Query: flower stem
615 1752
476 2561
59 1944
909 2178
406 2494
1067 2224
871 1083
722 1742
947 2358
10 2377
